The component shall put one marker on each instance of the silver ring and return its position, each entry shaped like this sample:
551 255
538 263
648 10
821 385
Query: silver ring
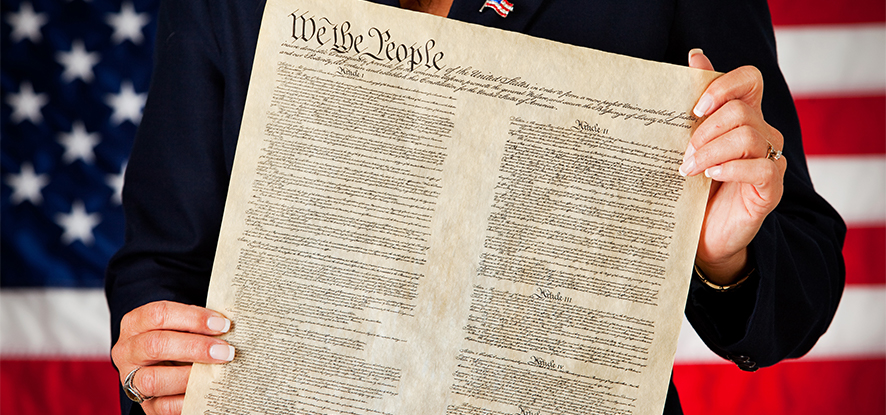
772 153
131 391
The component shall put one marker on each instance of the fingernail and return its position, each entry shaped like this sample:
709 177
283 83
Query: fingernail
222 352
713 172
687 167
694 52
703 105
689 152
218 324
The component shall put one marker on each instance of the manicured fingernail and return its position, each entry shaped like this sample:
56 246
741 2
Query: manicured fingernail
689 152
694 52
687 167
222 352
218 324
703 105
713 172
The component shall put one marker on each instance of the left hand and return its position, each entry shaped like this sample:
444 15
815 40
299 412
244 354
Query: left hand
731 147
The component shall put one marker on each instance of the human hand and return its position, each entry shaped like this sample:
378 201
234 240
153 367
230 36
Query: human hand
161 340
736 148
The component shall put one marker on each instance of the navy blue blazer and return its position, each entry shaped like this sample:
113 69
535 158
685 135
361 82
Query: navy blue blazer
179 169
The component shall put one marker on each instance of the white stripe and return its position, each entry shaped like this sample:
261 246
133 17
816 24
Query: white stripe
54 323
833 60
858 331
854 185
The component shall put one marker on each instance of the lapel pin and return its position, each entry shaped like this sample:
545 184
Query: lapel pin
502 7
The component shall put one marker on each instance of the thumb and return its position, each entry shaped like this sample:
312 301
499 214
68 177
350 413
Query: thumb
698 60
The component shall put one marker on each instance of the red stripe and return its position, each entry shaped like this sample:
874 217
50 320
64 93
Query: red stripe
847 125
813 12
864 254
791 388
855 387
57 387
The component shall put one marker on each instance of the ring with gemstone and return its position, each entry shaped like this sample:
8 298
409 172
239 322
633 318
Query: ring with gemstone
131 391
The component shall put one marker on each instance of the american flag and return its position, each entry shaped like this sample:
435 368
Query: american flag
74 77
74 81
502 7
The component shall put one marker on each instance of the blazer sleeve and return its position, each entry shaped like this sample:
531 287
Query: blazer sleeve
177 176
790 301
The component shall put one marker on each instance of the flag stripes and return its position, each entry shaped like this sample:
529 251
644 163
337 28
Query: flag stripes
837 387
832 55
863 251
833 60
826 12
54 322
58 386
54 341
843 125
854 185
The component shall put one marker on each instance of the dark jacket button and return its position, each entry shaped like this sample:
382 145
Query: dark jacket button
744 363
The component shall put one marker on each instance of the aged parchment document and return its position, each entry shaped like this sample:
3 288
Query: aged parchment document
431 217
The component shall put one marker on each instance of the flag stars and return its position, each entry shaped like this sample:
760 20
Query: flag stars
26 104
78 63
27 185
127 105
128 24
26 24
78 224
79 144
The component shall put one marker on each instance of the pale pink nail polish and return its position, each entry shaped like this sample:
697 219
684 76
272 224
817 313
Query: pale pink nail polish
713 172
703 105
690 150
218 324
222 352
687 167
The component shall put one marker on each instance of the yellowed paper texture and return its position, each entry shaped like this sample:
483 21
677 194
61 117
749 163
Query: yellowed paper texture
419 223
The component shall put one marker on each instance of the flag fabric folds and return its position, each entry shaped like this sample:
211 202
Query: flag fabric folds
73 83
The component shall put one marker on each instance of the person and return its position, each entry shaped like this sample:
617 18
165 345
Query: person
769 266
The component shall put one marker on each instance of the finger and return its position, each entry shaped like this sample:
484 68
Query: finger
698 60
731 115
743 142
168 315
765 175
745 84
166 405
162 380
154 347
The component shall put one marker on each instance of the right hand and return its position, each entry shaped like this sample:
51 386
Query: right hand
163 338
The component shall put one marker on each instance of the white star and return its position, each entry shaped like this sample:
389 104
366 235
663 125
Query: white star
78 62
26 24
127 104
78 224
79 144
26 105
27 185
128 24
115 181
